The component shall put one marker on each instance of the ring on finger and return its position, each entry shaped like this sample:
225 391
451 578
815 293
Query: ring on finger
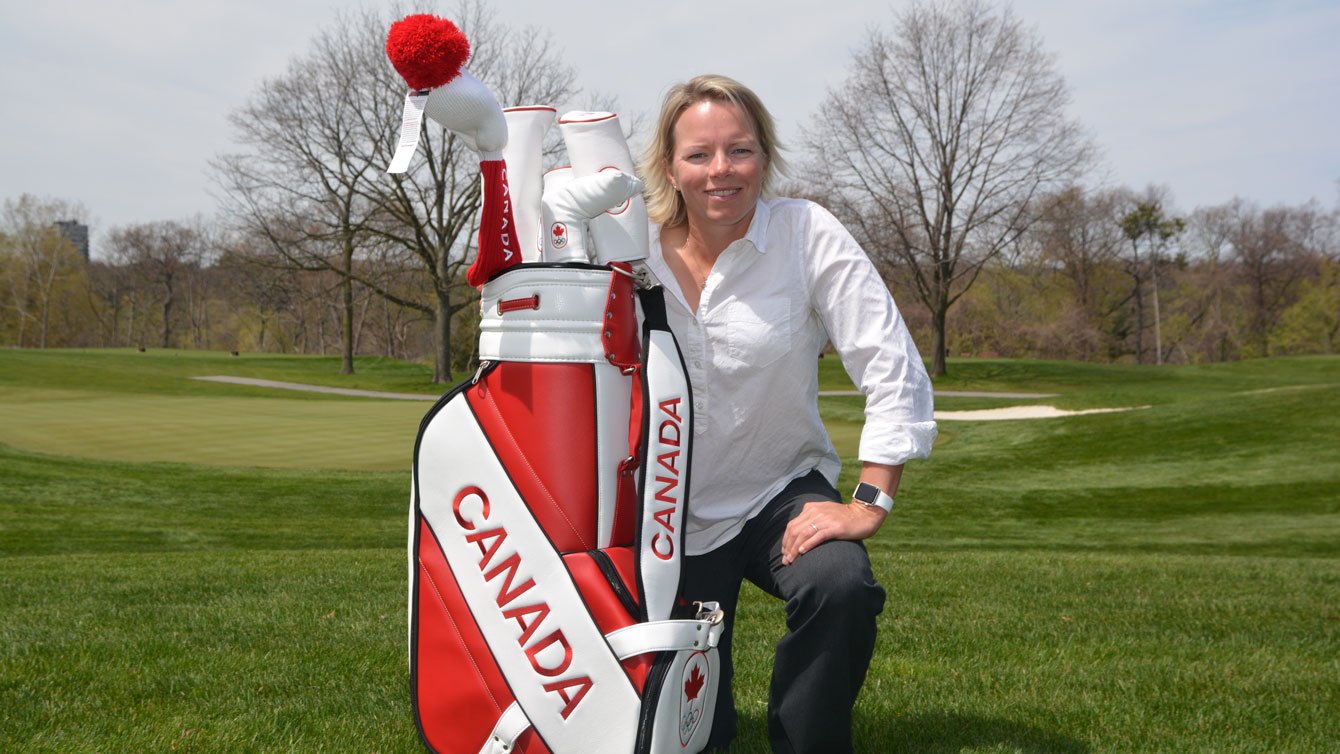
812 526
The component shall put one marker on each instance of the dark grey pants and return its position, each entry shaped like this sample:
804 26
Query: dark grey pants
831 599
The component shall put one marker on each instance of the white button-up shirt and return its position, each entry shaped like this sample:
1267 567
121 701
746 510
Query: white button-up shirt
795 282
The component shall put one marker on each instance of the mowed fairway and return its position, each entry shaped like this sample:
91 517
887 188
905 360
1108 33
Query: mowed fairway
191 566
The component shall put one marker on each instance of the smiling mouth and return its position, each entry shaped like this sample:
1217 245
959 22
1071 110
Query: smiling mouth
723 192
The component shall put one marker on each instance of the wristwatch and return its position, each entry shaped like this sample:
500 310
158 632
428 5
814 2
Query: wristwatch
871 495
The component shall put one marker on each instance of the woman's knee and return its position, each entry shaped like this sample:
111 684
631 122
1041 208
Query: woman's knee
836 582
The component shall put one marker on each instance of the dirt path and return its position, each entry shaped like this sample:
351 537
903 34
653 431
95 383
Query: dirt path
319 388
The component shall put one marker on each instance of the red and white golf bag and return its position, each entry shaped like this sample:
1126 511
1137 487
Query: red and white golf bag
549 492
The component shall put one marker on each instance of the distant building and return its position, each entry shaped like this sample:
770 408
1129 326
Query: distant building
76 233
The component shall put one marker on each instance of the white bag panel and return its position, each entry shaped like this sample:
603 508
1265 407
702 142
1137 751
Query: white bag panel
561 671
684 715
664 483
564 324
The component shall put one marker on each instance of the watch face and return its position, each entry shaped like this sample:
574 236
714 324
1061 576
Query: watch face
866 493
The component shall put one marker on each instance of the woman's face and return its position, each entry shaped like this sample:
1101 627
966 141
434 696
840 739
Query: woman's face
717 165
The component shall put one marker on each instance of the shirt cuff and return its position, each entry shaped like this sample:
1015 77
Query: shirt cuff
894 444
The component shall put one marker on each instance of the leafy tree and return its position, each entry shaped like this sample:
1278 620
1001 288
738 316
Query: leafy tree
37 263
1271 250
1312 323
1148 226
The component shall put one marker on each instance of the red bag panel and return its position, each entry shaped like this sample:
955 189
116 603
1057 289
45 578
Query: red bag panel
540 420
456 710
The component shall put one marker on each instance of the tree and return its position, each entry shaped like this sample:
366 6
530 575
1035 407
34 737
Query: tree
432 212
1147 225
1272 257
311 179
937 144
1207 243
305 182
37 262
162 256
1079 231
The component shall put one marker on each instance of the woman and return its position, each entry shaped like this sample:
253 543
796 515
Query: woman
756 287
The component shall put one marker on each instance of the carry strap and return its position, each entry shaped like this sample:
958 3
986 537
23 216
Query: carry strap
639 638
667 429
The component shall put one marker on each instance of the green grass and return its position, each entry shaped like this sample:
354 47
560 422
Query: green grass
189 566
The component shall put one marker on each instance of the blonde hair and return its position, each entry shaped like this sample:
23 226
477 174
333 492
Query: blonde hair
664 204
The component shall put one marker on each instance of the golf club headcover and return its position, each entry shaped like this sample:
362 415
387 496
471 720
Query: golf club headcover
546 531
468 108
524 155
570 203
429 53
498 247
596 143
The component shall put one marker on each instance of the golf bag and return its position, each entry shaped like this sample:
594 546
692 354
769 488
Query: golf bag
549 490
549 497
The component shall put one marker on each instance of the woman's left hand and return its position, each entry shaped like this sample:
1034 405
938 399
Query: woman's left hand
821 521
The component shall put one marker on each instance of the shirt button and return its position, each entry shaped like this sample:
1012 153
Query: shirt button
697 364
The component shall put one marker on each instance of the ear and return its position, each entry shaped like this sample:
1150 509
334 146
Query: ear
669 176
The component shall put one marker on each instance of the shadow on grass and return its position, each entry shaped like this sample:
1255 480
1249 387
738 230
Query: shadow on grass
946 732
934 733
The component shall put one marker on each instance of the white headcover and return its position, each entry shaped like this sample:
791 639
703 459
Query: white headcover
596 143
526 127
570 205
467 108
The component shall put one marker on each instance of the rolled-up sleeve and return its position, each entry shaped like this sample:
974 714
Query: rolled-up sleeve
870 336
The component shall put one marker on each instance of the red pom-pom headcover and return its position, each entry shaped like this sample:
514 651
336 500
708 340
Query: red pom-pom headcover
426 50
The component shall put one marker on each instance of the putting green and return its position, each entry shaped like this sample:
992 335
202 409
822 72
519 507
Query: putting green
367 435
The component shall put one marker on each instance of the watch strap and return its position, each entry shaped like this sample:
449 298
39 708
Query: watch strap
869 494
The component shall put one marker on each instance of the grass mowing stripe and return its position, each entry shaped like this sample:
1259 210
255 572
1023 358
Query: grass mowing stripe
56 505
169 372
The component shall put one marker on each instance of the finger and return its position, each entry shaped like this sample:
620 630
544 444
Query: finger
791 540
808 536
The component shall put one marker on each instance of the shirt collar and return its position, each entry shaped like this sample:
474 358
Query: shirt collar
757 235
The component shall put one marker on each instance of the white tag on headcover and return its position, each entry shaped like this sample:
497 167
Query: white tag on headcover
411 126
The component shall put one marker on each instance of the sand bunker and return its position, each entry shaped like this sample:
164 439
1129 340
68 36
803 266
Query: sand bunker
1020 412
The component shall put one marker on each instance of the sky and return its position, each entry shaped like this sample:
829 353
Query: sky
120 105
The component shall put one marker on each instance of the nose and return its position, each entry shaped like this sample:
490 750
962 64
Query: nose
720 165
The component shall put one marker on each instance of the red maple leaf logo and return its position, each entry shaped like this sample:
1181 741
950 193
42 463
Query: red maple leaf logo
559 230
694 684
